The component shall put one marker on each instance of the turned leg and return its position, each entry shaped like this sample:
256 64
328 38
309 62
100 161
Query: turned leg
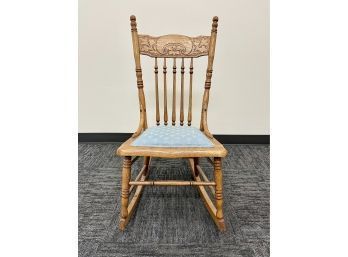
218 192
126 173
196 162
146 164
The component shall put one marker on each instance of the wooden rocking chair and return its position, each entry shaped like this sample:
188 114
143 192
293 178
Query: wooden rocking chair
165 141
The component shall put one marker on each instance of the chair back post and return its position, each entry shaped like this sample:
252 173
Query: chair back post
212 43
139 75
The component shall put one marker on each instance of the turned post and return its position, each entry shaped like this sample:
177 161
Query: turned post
182 93
195 163
189 116
139 75
174 93
218 191
126 173
165 91
209 73
157 98
146 165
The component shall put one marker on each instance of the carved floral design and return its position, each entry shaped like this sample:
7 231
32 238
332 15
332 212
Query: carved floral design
174 46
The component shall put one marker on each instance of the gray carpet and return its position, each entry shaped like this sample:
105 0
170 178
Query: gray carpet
172 221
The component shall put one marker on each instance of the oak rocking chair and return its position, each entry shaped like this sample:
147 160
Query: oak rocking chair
165 141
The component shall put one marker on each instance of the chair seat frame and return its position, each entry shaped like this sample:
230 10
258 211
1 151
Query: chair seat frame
169 47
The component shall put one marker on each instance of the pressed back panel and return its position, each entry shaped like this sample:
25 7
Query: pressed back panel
170 51
174 46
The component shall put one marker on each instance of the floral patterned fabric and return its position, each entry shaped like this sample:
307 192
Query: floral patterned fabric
172 136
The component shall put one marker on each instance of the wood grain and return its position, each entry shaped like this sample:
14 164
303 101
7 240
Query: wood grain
138 71
157 96
182 93
218 150
174 93
218 192
126 172
209 73
206 199
165 91
172 183
189 116
204 177
174 46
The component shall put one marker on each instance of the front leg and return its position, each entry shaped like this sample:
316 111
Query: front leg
126 173
218 193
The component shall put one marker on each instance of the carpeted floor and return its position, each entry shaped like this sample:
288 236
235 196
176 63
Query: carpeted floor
172 221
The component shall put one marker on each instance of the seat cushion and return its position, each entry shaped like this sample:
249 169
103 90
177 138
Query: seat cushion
172 136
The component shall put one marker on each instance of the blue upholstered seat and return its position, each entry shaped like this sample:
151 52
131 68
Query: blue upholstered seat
172 136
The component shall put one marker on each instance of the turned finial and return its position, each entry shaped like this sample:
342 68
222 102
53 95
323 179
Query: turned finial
133 20
215 24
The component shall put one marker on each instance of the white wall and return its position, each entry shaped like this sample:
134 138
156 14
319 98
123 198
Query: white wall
239 102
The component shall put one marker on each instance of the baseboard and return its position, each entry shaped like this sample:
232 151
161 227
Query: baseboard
104 137
243 139
224 139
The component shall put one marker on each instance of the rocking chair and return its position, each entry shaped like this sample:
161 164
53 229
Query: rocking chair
165 141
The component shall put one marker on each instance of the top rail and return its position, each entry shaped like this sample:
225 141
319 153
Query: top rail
174 46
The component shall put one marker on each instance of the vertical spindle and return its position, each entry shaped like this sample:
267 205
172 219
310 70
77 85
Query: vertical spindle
165 91
174 93
182 93
189 118
157 100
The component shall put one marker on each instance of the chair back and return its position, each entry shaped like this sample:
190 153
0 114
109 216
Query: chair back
172 50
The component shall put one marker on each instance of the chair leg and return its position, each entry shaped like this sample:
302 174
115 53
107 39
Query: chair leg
126 173
218 193
196 162
146 163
